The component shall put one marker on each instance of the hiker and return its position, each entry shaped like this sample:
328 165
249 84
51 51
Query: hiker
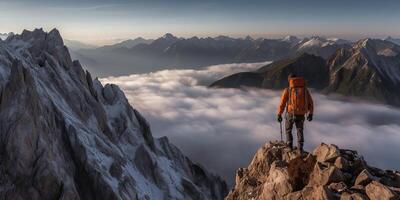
297 101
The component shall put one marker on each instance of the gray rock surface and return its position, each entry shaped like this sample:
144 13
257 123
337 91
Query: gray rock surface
66 136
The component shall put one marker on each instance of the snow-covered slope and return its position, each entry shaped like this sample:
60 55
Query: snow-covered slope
66 136
320 46
319 42
4 36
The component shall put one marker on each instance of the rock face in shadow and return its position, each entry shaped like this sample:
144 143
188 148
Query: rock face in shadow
277 173
64 135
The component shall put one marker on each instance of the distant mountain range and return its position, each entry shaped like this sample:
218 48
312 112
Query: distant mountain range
369 69
169 51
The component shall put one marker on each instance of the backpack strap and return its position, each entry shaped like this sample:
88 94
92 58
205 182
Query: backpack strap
289 99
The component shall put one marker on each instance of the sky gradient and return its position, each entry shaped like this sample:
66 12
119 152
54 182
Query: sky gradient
101 21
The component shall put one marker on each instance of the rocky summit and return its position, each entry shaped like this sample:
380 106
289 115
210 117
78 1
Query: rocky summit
65 136
277 173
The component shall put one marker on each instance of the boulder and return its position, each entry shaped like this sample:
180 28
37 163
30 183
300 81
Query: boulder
391 178
318 193
364 178
342 163
378 191
353 196
324 175
338 187
294 196
326 153
278 183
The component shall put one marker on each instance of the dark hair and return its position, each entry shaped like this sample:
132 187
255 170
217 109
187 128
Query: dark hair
292 75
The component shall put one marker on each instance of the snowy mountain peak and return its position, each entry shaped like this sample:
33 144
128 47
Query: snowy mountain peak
73 138
291 39
4 36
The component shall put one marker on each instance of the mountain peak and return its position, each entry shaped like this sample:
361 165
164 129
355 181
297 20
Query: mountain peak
291 39
248 37
223 38
74 138
38 36
169 36
329 172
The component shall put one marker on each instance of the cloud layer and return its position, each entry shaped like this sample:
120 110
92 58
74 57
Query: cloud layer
222 128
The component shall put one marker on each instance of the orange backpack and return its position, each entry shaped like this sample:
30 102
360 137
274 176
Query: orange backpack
297 102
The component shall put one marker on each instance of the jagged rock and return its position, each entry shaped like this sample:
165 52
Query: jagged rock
338 187
378 191
364 178
324 175
317 193
278 173
278 183
66 136
358 188
342 163
326 153
391 178
353 196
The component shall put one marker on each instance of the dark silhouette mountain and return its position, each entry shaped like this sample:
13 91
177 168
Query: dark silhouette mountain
370 69
64 135
328 173
126 44
172 52
274 75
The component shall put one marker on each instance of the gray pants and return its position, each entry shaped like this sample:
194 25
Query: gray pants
297 120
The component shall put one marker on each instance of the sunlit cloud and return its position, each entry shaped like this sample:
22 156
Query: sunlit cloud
222 128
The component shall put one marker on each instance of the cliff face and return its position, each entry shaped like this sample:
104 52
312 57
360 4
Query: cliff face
328 173
66 136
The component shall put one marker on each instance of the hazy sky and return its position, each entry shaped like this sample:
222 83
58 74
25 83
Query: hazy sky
100 21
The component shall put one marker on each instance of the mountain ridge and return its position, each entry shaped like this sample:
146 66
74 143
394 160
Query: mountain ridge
66 136
369 69
170 51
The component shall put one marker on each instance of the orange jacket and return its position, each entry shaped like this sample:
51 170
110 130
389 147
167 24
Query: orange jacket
296 99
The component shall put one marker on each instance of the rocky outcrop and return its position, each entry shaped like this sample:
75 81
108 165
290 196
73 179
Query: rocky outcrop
64 135
329 172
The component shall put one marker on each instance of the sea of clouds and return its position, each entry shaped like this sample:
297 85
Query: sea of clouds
222 128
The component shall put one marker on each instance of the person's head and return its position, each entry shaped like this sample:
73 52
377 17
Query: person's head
292 75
